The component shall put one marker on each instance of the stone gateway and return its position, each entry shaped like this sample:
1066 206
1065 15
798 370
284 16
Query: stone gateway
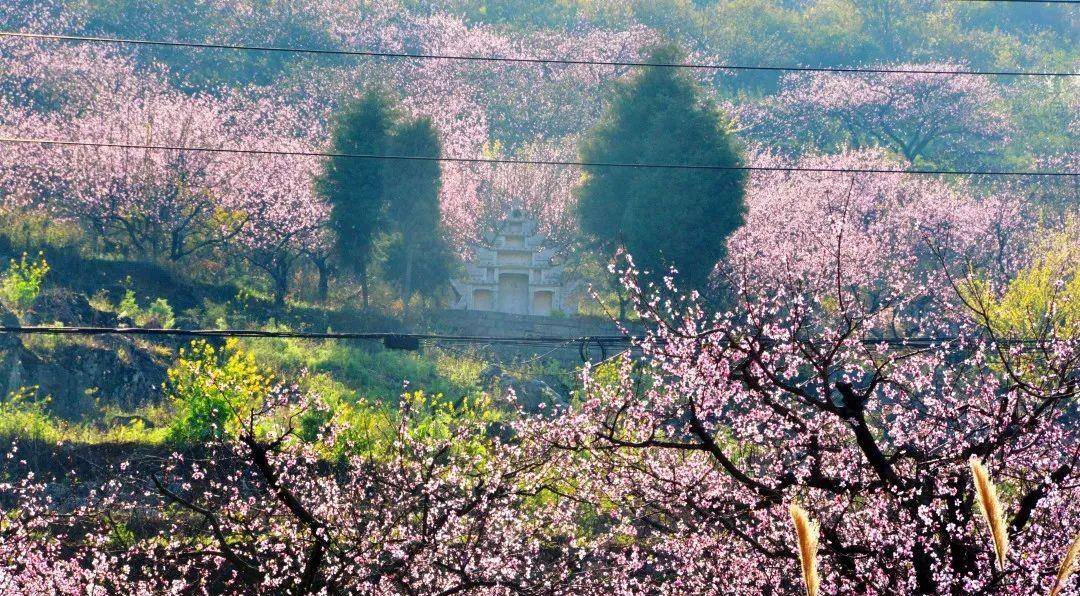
514 272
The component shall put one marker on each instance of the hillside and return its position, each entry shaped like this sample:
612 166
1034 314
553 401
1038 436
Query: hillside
661 297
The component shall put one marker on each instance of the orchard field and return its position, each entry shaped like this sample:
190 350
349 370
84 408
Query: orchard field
839 241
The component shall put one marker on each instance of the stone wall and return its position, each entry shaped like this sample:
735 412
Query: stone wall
503 325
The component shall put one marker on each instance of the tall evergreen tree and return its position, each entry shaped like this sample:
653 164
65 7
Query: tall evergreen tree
663 217
412 203
355 188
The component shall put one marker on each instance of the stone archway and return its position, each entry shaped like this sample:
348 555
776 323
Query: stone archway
514 293
483 299
543 302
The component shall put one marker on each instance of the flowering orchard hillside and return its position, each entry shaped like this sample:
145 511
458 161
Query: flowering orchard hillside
488 109
205 201
675 473
840 242
800 395
916 115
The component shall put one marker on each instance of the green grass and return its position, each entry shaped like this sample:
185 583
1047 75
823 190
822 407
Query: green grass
366 370
26 419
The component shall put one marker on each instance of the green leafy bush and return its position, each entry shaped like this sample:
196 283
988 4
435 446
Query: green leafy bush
208 387
128 307
374 429
1042 298
21 283
158 315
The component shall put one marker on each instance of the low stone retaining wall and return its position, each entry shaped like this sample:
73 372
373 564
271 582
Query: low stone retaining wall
497 324
502 325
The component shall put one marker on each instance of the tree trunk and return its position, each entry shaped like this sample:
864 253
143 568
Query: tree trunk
364 286
406 293
323 267
621 293
281 283
176 246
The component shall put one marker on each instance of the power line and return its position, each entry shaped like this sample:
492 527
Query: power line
377 335
393 341
897 342
531 162
522 60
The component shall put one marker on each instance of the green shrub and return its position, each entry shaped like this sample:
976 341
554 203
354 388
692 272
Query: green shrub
210 314
25 422
120 535
21 283
128 307
373 429
1042 298
368 428
462 369
207 388
28 229
158 315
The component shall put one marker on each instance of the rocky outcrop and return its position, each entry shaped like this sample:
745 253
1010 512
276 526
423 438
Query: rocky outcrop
503 325
543 394
11 355
79 373
61 305
79 376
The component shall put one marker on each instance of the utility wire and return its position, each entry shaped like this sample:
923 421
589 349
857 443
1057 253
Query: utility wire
522 60
901 342
379 335
532 162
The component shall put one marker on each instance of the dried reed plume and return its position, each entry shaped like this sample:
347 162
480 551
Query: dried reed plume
1068 566
991 509
806 532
